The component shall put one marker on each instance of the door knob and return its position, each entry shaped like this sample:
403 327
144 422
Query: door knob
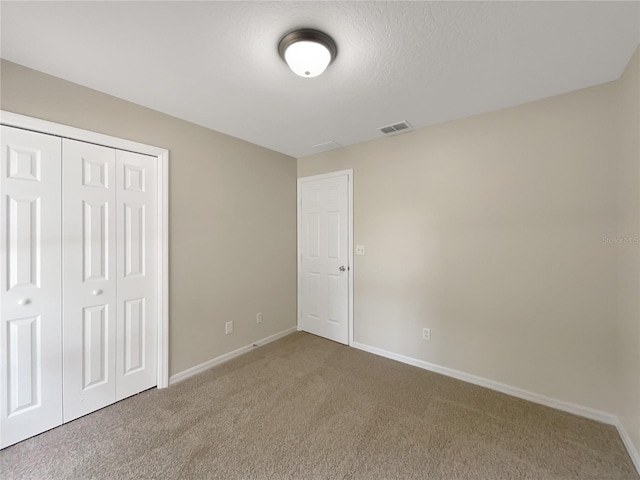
97 292
24 301
342 268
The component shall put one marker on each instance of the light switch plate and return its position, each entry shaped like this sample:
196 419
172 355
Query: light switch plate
359 249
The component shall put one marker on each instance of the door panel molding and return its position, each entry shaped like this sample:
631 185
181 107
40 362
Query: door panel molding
96 177
300 283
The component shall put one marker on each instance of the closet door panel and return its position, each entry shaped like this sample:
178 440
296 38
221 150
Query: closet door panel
137 276
89 277
30 296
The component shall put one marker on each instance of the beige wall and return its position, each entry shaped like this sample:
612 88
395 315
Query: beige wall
628 340
490 231
232 214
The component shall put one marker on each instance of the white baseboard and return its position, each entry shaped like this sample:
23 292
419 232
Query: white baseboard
189 372
580 410
633 453
598 415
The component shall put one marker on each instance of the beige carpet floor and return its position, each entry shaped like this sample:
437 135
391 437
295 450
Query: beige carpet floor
307 408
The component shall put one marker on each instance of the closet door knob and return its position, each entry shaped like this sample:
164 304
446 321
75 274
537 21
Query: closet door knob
24 301
96 292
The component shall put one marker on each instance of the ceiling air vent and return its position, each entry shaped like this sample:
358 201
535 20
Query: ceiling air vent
396 127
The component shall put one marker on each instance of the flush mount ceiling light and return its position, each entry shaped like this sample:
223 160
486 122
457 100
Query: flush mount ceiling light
308 52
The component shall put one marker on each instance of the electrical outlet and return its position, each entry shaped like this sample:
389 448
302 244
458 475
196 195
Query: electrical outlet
259 317
359 249
228 328
426 334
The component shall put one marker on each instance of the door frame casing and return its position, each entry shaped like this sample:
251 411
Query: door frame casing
350 262
24 122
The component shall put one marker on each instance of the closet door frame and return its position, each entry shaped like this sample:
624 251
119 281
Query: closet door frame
162 155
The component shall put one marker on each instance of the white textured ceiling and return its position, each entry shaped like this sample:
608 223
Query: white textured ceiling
216 63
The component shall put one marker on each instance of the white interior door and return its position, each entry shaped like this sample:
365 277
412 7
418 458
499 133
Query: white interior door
89 277
137 274
324 257
30 326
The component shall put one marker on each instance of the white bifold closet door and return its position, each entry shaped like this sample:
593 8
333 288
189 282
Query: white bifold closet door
109 275
30 297
136 273
89 277
78 279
